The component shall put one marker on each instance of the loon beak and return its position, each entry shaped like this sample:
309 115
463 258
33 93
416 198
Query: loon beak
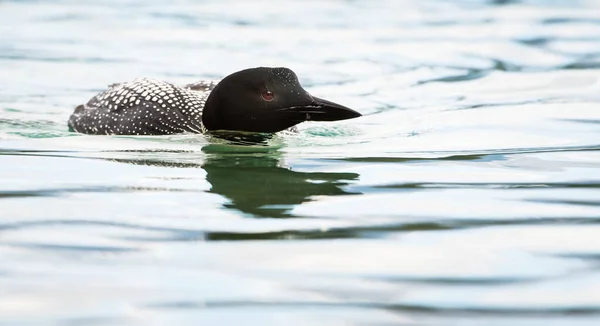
323 110
330 111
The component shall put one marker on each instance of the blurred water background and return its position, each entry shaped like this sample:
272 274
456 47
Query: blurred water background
468 194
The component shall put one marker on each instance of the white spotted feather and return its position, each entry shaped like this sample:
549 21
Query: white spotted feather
144 107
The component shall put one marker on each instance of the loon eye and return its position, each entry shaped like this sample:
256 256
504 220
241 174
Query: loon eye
267 95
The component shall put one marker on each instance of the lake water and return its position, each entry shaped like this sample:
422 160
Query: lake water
468 194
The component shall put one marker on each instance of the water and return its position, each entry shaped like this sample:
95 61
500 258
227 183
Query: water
468 194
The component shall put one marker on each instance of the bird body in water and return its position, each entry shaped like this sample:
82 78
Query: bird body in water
264 100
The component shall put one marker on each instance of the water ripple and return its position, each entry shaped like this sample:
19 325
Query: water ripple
467 194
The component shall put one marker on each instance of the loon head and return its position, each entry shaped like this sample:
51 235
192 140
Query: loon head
266 100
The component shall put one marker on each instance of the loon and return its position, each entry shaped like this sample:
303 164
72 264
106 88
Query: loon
263 100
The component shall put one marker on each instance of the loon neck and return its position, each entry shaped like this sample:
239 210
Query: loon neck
209 112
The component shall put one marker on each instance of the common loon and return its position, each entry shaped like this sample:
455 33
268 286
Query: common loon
265 100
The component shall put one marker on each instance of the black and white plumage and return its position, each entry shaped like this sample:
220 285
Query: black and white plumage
256 100
143 107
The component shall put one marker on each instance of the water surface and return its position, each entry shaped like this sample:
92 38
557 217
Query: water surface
468 194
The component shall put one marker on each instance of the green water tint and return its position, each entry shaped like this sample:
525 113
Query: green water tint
325 130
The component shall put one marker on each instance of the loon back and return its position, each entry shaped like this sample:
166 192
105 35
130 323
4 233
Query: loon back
143 107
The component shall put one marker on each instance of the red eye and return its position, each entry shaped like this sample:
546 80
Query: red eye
267 95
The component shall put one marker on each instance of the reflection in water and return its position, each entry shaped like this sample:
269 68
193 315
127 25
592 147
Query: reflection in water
254 178
261 186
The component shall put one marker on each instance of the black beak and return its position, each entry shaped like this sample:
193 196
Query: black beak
323 110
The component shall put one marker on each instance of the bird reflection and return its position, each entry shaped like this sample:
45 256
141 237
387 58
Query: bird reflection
261 186
254 179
